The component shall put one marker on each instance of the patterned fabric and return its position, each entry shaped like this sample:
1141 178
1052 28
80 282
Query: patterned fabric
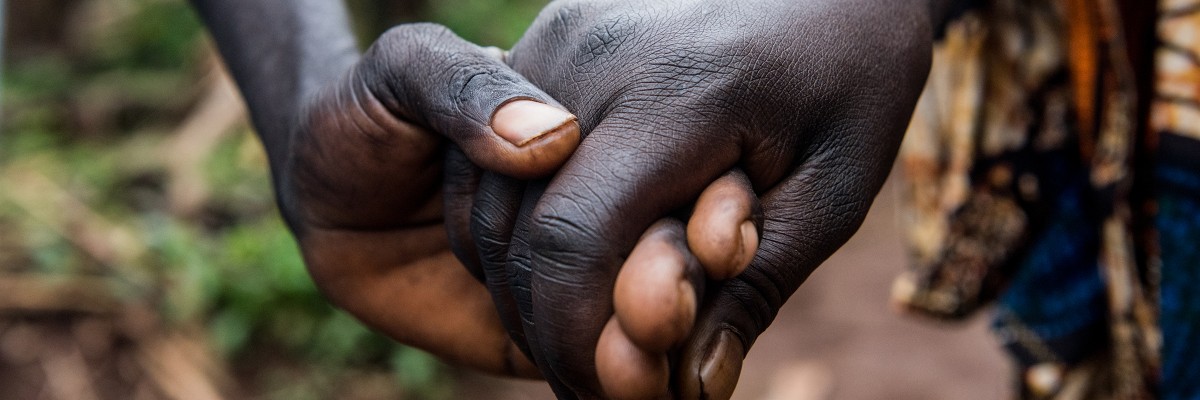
1176 116
1178 222
1053 172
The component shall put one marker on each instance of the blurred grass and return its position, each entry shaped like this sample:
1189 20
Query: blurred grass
90 108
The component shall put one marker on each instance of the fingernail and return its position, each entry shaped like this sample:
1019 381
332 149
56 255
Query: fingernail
749 246
522 121
722 366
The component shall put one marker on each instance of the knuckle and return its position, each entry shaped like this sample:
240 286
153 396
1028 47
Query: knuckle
485 219
755 297
386 64
413 35
406 48
477 86
606 38
568 14
563 230
565 235
492 245
454 83
492 229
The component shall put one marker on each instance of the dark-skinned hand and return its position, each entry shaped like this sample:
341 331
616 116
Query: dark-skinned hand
364 148
362 186
807 99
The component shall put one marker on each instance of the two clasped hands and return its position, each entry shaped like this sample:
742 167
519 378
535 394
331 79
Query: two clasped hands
619 205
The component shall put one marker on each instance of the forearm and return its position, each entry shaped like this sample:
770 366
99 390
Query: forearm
279 52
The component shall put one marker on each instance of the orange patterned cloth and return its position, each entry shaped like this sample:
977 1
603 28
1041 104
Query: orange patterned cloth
1030 184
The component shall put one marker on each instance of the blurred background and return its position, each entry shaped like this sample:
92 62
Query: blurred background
141 256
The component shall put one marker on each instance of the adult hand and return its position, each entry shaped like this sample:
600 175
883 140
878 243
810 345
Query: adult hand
356 149
808 98
363 185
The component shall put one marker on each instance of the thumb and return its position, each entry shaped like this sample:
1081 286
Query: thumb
428 75
806 217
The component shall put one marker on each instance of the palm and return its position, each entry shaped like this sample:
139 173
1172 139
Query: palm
370 224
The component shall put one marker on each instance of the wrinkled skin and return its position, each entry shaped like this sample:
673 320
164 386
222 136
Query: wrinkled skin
364 148
357 146
808 98
364 184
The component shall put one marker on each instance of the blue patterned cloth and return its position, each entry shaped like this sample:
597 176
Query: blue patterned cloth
1178 224
1069 197
1056 293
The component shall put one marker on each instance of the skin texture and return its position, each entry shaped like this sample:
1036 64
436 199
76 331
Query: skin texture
386 163
662 281
370 169
630 372
358 146
658 289
725 226
809 100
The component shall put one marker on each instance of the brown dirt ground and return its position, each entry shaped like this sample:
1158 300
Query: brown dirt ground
838 339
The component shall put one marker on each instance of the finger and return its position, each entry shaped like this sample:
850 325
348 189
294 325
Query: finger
658 289
459 186
461 183
592 213
655 297
806 218
628 371
725 225
388 117
711 363
520 277
501 225
493 220
425 73
432 303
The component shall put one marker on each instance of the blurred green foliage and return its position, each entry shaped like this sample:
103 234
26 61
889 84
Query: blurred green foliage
160 35
486 22
92 114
